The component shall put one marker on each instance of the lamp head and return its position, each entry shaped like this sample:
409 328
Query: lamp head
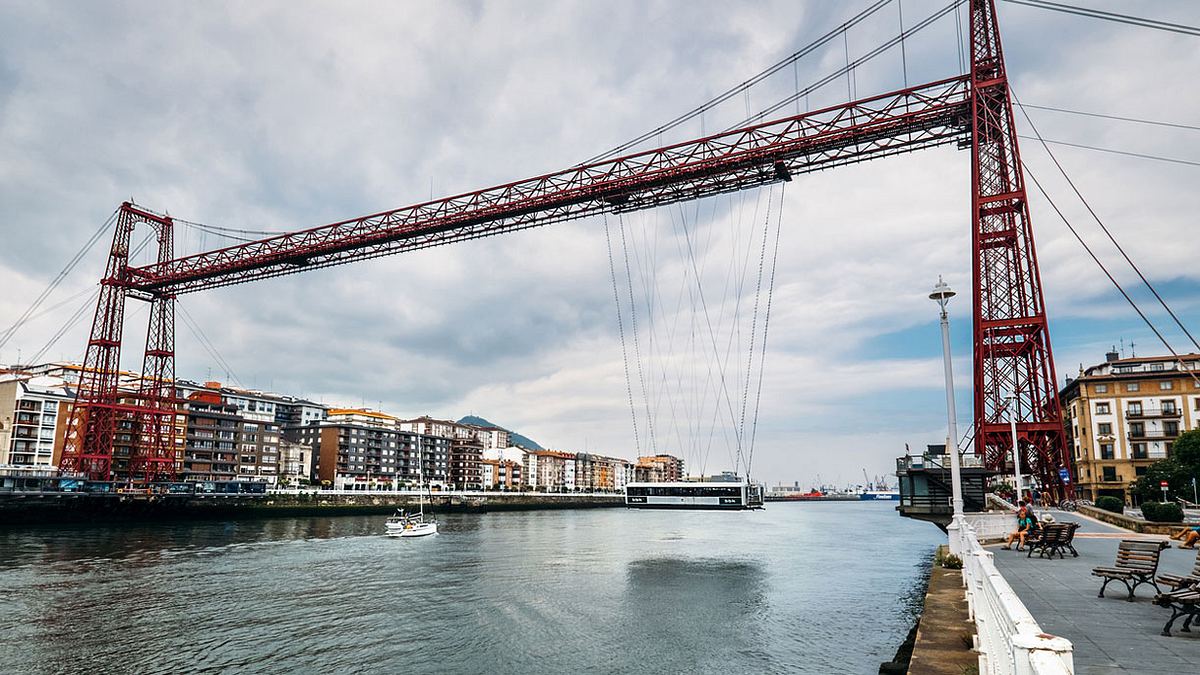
941 293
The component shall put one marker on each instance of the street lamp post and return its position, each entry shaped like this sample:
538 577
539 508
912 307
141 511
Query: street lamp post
942 294
1012 426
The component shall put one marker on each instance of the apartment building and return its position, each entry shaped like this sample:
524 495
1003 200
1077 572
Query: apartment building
493 438
211 449
279 409
659 469
1122 415
295 464
356 449
597 473
33 414
434 427
550 470
465 470
500 474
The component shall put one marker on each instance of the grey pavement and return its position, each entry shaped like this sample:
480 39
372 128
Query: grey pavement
1110 635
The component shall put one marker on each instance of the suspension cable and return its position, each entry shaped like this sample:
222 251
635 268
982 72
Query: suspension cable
925 23
1110 16
637 349
1138 120
612 269
762 358
1104 227
1108 274
56 281
734 91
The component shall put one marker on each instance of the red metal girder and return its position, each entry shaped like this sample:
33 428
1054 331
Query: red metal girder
900 121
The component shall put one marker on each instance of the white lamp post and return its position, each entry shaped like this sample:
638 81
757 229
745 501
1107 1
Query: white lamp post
1012 426
942 294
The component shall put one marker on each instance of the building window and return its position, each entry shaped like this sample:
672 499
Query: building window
1157 367
1165 385
1139 471
1168 407
1102 409
1133 386
1106 451
1137 429
1110 474
1104 429
1139 451
1101 388
1170 428
1135 408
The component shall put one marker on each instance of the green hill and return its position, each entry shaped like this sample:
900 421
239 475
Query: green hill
513 437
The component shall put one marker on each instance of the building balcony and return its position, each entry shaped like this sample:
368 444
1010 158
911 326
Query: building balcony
1154 434
1145 413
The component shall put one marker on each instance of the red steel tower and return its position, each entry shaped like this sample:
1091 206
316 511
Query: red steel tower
1011 336
144 421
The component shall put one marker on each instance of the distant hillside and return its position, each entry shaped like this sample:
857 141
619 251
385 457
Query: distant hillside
514 437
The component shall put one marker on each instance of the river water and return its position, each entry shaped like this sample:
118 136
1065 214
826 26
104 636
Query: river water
795 588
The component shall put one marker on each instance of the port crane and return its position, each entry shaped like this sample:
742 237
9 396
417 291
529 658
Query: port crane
1011 342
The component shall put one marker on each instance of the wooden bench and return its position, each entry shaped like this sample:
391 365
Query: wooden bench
1053 538
1177 581
1183 601
1137 563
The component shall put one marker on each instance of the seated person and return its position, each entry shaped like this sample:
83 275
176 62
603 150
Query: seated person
1188 536
1026 524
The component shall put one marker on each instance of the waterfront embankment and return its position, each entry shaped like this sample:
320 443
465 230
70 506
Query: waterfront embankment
42 508
942 638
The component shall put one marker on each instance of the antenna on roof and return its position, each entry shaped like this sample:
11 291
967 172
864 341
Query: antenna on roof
1132 352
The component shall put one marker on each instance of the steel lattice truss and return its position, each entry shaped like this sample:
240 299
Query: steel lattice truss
1011 343
900 121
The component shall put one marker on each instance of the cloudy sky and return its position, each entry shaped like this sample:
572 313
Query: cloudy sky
274 116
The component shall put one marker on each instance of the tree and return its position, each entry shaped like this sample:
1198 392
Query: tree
1186 450
1178 470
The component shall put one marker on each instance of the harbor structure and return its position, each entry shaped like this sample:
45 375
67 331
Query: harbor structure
1124 414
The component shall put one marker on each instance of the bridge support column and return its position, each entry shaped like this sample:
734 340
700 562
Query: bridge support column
1012 355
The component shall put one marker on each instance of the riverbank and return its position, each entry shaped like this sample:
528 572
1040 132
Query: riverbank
18 509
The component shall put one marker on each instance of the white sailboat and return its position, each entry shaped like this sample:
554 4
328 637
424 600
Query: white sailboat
408 525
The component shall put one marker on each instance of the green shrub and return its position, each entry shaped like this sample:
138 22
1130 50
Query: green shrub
1160 512
1113 504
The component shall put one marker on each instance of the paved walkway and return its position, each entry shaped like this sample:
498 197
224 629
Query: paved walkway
1110 635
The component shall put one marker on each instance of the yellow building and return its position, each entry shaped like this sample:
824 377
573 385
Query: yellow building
1124 414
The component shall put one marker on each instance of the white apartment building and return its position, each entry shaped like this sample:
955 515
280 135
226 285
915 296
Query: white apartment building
31 412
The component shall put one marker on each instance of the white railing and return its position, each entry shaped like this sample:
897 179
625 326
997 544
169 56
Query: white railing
1008 638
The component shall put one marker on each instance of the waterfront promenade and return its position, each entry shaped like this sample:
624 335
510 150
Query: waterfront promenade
1109 634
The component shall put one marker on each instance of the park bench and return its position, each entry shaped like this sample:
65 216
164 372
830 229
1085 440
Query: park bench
1053 538
1137 563
1177 581
1184 601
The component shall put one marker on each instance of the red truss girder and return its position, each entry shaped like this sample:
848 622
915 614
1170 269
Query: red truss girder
900 121
1011 337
